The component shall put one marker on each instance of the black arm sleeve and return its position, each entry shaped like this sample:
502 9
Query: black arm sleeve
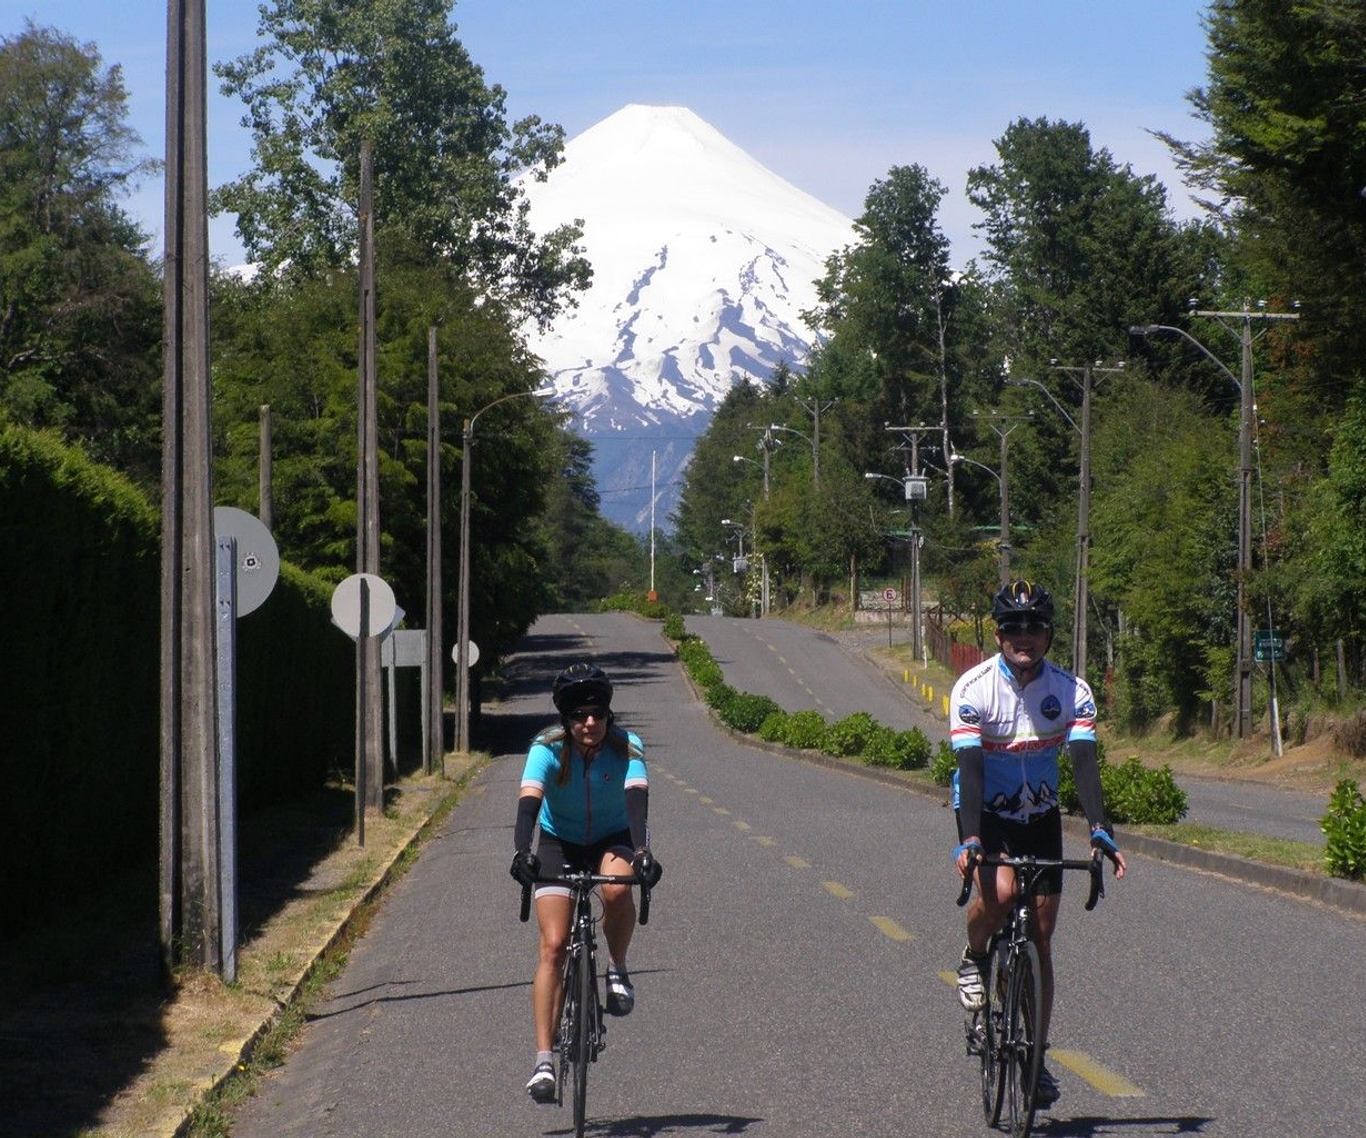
1086 772
528 809
637 814
970 782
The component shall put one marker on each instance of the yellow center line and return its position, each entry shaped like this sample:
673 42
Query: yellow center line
765 840
690 789
707 800
836 889
1102 1078
949 978
891 929
797 862
741 825
720 809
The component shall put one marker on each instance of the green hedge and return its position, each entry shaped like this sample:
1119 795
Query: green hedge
80 719
1345 828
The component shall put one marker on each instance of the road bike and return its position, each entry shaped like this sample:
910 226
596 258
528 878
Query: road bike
582 1032
1003 1035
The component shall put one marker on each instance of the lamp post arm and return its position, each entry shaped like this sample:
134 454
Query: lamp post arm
1149 329
1051 398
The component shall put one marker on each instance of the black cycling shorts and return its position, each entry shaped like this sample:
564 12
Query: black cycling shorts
556 854
1041 837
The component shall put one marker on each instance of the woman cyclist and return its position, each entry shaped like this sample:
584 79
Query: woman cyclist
586 784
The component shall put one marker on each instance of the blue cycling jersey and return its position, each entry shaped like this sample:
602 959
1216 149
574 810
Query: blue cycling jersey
1020 731
592 803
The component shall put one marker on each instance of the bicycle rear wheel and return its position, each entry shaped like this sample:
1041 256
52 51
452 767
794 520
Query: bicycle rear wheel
583 1041
1023 1049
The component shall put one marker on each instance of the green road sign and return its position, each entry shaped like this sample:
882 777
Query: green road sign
1268 645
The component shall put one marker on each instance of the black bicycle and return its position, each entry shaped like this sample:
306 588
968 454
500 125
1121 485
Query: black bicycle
1004 1034
582 1033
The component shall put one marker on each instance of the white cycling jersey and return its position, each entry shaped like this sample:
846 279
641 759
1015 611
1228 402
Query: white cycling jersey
1020 731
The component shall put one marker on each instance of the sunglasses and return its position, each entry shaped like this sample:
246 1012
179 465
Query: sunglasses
581 714
1029 627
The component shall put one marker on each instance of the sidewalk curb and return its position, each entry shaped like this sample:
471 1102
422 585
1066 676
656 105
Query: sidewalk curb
458 769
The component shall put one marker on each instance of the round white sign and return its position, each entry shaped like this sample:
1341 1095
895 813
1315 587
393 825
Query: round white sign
346 605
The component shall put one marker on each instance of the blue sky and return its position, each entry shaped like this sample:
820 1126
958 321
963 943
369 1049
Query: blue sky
827 95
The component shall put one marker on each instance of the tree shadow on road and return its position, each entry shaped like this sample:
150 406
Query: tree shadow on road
656 1125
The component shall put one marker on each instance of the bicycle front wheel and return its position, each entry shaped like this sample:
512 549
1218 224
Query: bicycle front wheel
1022 1046
583 1041
570 1015
993 1020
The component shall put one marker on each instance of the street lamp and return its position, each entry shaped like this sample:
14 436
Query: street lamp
815 451
1001 481
1243 668
462 636
1081 600
763 557
913 486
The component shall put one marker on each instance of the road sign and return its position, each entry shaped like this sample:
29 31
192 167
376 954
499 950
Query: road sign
258 560
346 606
889 595
1268 645
474 653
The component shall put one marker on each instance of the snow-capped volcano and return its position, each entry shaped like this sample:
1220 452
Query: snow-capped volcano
703 262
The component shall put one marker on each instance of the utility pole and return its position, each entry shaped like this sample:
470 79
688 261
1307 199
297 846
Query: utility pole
266 487
914 484
1240 324
1003 478
369 694
814 409
433 748
1081 597
191 900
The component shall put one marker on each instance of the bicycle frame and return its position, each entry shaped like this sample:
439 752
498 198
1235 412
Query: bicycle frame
582 1030
1002 1034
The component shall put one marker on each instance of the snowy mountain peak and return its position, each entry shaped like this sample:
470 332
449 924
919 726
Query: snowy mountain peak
703 261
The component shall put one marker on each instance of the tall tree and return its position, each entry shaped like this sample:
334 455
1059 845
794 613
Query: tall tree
878 298
331 73
80 317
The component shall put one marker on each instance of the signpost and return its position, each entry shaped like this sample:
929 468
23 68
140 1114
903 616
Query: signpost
889 596
1268 646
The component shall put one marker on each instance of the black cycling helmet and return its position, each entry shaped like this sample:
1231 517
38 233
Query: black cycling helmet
1022 600
581 685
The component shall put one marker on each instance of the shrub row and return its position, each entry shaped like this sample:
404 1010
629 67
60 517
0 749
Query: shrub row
858 736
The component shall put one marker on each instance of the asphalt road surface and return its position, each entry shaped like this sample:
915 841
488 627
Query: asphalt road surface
794 978
800 667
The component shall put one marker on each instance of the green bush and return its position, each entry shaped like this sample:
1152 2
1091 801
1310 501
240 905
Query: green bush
744 711
850 735
1345 828
899 750
629 600
774 727
701 665
718 695
804 730
1135 793
944 764
673 626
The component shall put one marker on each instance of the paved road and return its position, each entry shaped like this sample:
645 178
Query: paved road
792 982
801 667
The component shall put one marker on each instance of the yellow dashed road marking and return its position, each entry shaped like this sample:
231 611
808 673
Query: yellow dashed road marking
836 889
764 840
1102 1078
707 800
741 825
720 809
797 862
890 928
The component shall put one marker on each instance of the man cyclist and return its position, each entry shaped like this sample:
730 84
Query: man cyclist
1009 718
586 784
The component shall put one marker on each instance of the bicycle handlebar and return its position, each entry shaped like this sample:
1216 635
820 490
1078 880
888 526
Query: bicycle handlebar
1093 865
582 878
